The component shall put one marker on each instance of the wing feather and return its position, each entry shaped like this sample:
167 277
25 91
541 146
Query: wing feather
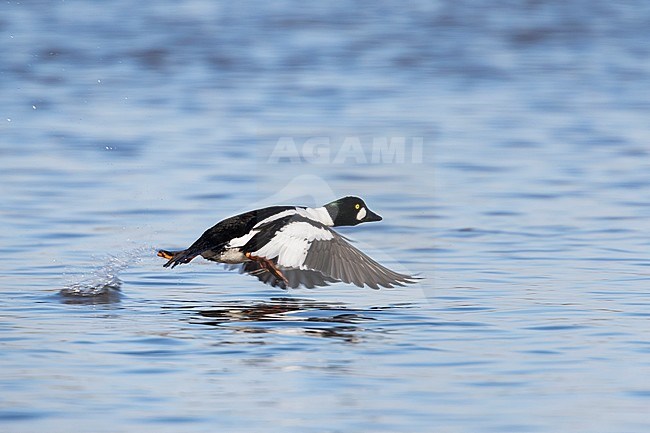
297 244
295 277
339 259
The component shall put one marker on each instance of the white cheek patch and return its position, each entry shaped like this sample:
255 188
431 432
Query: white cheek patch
361 214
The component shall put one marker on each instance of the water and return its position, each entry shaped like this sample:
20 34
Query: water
130 127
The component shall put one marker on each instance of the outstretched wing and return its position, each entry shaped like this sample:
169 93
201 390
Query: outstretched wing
299 244
340 260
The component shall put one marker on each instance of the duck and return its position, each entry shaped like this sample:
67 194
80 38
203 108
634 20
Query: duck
293 246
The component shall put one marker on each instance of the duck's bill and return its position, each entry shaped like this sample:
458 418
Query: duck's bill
371 216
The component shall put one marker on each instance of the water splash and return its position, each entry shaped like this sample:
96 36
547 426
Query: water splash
104 282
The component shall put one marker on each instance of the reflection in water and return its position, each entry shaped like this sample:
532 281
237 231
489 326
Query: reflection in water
287 316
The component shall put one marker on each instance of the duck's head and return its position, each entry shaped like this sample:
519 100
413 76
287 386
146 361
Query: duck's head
350 211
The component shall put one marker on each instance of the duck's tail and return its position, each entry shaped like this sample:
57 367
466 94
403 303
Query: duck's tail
175 258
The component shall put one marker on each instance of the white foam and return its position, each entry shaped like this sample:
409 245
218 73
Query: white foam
104 279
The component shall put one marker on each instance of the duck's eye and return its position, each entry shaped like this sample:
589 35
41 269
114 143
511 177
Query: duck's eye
357 206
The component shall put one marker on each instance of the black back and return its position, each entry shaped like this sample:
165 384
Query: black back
236 226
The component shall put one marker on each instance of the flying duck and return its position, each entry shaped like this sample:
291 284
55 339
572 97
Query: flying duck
289 246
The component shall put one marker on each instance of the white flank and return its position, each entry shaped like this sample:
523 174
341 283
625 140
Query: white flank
232 256
361 214
291 243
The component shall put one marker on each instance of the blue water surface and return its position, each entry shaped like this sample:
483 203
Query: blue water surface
504 143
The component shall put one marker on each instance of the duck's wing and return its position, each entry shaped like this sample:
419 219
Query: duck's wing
299 244
294 277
